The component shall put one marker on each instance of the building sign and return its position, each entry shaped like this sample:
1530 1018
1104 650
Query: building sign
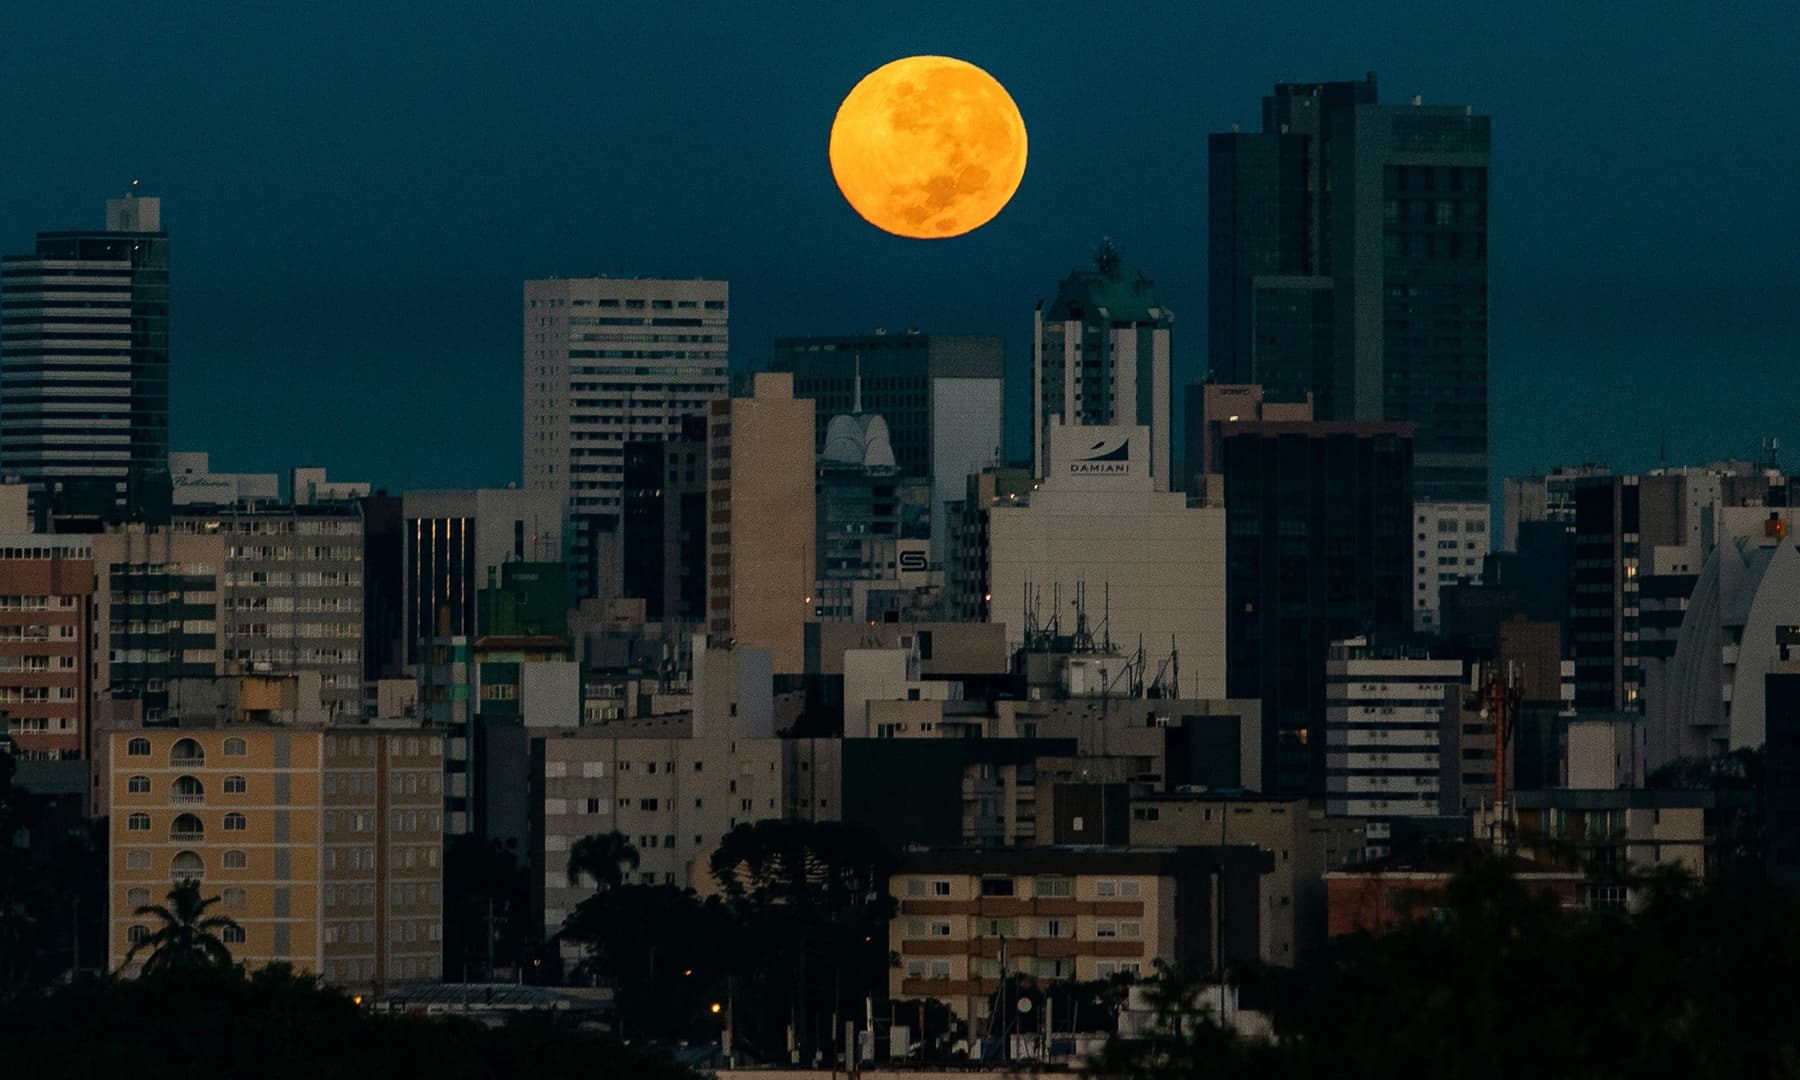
912 563
1105 456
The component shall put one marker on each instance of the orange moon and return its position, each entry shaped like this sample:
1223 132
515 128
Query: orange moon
928 147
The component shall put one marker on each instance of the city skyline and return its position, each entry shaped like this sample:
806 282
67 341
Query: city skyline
1625 262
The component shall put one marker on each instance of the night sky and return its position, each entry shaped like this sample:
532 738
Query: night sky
355 192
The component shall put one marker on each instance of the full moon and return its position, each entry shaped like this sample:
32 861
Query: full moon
928 147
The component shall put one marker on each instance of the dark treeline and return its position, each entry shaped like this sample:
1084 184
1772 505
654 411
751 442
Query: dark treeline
1495 980
202 1020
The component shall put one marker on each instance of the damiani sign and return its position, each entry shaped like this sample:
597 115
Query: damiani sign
1099 467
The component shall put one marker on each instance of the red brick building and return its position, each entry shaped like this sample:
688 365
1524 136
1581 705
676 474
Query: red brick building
46 630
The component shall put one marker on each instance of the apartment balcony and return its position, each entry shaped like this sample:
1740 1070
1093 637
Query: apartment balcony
187 837
187 799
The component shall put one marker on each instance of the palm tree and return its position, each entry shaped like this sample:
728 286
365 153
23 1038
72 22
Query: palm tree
603 857
188 936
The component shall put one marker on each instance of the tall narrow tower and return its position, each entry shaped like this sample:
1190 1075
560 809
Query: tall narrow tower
1101 357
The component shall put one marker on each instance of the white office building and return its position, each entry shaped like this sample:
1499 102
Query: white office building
1450 542
1148 568
609 361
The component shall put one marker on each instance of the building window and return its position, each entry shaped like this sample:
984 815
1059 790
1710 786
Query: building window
1106 888
137 934
1104 930
138 785
137 860
234 785
235 860
235 823
996 886
235 897
940 888
232 935
1053 887
138 748
1128 889
186 866
186 752
234 747
138 823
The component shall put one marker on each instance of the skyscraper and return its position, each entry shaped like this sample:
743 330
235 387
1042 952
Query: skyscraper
1317 552
609 361
84 351
1349 258
760 515
1100 356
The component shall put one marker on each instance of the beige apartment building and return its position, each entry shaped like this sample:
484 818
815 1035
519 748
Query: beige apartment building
324 844
1303 843
760 534
967 917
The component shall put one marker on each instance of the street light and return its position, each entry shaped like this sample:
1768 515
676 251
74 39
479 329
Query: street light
715 1008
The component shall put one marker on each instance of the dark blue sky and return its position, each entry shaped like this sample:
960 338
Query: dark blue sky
356 195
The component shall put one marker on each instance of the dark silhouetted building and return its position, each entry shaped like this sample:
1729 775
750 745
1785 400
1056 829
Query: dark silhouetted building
664 523
1317 550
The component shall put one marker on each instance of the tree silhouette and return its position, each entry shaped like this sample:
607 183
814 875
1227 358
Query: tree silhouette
188 935
604 857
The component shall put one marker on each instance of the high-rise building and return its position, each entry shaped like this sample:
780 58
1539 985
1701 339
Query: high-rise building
609 361
1317 551
1101 357
293 580
664 527
1395 736
1271 304
1210 405
451 540
46 629
1450 544
760 509
1349 259
941 395
1103 553
84 351
157 613
324 844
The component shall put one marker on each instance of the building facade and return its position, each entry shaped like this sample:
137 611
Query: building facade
324 845
452 538
761 556
664 524
293 591
1450 546
1318 545
609 361
1393 729
46 634
968 919
1101 357
84 351
158 597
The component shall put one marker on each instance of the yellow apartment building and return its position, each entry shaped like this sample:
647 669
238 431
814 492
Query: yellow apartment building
324 844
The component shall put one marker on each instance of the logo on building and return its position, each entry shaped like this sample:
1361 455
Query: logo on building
1106 456
914 561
